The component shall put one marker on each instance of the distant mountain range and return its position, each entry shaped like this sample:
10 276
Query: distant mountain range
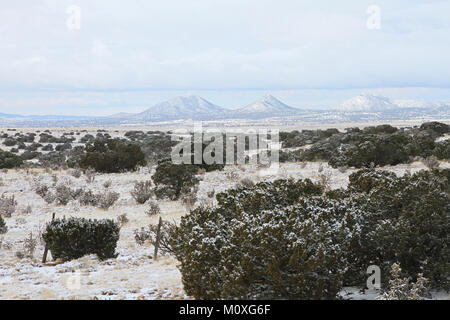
197 108
190 107
367 103
375 103
365 107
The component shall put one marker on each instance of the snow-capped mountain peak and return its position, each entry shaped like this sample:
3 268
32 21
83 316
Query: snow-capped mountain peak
367 103
267 104
182 107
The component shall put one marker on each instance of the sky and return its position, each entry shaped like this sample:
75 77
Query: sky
105 56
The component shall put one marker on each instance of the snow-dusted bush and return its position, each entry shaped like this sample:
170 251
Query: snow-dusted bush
246 182
142 191
102 200
262 243
9 160
172 180
29 245
90 175
153 209
285 239
9 142
41 190
165 236
122 219
267 195
3 227
166 233
363 181
380 145
431 162
63 194
88 198
49 197
442 149
76 193
402 288
76 173
63 147
141 236
72 238
7 205
48 147
406 220
107 199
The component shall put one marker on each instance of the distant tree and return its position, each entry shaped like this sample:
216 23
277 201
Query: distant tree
3 227
9 160
171 180
112 155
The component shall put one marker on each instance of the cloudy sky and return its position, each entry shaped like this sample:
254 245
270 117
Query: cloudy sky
128 55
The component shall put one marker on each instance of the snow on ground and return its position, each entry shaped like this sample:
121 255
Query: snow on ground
134 274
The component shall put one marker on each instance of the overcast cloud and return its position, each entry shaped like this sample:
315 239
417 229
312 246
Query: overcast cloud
130 54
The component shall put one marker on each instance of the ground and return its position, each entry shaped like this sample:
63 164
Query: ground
134 274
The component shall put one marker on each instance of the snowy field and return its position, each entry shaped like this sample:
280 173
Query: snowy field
134 274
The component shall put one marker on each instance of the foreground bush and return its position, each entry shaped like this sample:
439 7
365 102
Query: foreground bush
9 160
112 156
287 240
406 221
254 247
72 238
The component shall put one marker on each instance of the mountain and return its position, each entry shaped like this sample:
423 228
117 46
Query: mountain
189 107
367 103
365 107
420 104
267 106
7 115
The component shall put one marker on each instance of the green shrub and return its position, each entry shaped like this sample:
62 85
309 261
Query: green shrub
291 253
3 227
171 180
381 145
267 195
254 247
406 220
9 160
112 156
72 238
442 150
440 128
9 142
287 240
